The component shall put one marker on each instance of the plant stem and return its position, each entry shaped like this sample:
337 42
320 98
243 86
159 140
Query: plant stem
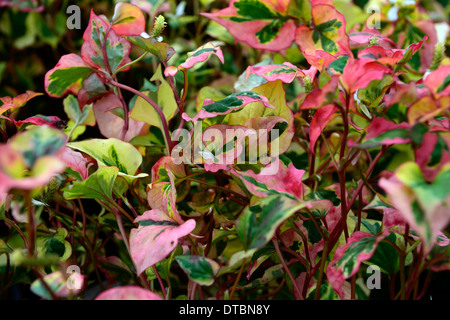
130 63
31 224
161 283
241 270
126 116
164 123
286 268
323 260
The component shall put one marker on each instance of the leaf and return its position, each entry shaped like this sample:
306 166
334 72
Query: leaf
223 146
358 74
320 97
57 284
117 48
40 120
275 95
199 55
362 39
261 24
111 152
129 292
327 35
76 162
386 256
438 81
38 142
16 102
110 124
231 103
155 238
275 178
114 152
423 110
258 222
348 257
285 72
67 76
80 116
98 186
199 269
23 5
128 19
320 120
93 88
423 205
144 112
161 50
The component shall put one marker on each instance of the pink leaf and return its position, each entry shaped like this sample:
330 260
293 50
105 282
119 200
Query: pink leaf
267 32
39 120
318 98
197 56
155 238
13 168
380 125
438 82
117 48
275 176
362 39
129 292
223 145
285 72
76 161
357 74
111 125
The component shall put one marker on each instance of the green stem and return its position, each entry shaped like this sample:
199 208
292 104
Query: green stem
130 63
323 260
31 224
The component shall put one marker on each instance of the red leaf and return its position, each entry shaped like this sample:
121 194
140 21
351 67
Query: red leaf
128 20
357 74
319 122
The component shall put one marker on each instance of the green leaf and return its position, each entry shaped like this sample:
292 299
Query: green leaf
258 223
386 256
161 50
254 10
199 269
74 112
38 142
111 152
98 186
143 111
62 79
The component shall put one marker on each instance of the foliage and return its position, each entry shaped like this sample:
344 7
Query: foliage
132 188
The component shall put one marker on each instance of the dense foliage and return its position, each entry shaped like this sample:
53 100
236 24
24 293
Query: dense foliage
113 179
